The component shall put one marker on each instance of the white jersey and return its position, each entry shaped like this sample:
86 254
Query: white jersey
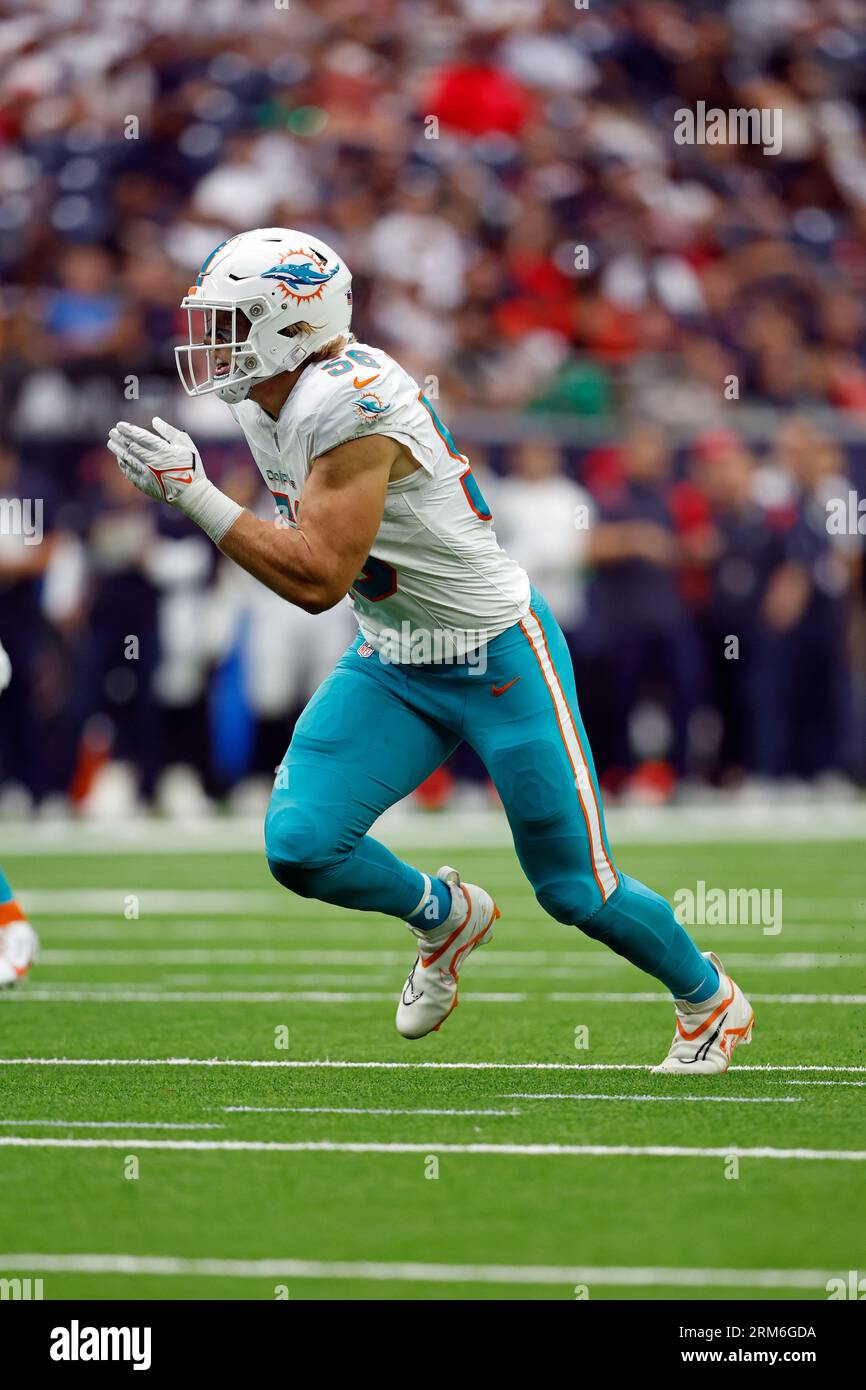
436 584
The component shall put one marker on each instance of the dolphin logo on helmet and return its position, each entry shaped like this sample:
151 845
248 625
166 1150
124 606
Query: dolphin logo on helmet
299 277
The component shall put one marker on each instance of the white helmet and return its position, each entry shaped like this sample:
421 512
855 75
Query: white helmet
277 278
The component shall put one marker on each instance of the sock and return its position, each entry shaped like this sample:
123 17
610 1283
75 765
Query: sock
707 988
10 911
434 907
369 879
640 925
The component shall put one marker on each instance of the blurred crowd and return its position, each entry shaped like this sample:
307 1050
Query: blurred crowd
532 243
715 613
501 175
714 609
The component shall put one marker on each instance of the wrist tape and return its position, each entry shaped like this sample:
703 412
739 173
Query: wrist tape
210 509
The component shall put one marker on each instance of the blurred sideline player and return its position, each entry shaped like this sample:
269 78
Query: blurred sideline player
377 502
18 942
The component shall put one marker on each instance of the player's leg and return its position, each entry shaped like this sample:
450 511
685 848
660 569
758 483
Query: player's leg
532 740
358 748
18 941
364 742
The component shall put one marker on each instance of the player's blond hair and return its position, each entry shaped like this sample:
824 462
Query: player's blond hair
331 349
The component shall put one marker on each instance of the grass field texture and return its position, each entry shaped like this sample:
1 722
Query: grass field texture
312 1173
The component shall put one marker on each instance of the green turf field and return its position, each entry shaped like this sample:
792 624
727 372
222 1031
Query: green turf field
317 1180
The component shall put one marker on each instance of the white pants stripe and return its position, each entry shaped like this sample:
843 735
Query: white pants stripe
603 870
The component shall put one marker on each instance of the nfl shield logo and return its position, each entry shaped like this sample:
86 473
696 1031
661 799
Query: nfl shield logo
365 649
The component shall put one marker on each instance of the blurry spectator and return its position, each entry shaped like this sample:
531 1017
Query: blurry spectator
545 520
638 621
554 138
475 96
743 550
120 652
542 247
807 608
243 180
27 507
85 316
414 245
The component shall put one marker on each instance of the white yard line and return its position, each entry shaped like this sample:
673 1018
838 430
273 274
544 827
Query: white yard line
200 980
433 1146
108 1124
779 820
273 930
594 1095
48 902
247 902
341 1064
373 966
611 997
535 963
59 995
152 996
195 978
218 956
625 1276
112 926
827 1083
855 904
346 1110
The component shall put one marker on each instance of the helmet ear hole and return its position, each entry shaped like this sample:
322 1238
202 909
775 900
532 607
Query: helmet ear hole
298 329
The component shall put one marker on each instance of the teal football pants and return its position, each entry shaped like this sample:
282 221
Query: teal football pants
374 731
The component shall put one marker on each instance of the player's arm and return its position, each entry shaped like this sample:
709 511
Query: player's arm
339 514
311 565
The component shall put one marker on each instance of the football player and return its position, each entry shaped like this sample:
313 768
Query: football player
375 500
18 941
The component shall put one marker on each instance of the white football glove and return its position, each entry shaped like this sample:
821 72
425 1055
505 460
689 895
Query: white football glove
167 466
5 667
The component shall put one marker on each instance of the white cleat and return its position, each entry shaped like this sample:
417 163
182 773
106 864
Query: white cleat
430 993
18 947
708 1033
